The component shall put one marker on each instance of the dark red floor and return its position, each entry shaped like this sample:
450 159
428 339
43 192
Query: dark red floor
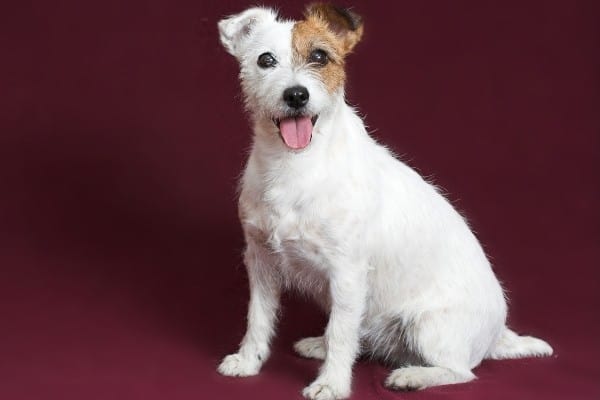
121 138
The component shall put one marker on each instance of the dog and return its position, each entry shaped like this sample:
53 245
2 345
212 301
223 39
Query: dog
328 211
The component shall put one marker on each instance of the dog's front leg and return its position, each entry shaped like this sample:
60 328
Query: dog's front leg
348 289
262 310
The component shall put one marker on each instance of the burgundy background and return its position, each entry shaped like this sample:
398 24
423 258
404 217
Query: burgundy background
122 136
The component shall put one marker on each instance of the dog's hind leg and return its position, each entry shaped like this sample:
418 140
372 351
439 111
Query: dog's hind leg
444 344
415 377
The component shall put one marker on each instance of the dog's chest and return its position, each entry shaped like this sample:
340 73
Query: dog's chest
287 231
293 225
298 245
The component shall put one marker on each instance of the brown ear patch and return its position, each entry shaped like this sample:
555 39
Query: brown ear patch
346 24
331 29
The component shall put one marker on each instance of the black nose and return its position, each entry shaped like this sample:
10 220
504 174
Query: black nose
296 96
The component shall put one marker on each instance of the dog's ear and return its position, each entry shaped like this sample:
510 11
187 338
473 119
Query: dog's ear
236 29
344 23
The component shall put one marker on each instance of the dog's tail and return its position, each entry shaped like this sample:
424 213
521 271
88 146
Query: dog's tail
511 345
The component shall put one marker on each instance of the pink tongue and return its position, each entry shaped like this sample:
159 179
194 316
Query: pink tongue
296 132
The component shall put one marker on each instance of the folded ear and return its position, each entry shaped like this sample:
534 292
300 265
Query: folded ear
236 29
345 24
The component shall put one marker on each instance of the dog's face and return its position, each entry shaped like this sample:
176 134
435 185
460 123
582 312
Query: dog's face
291 72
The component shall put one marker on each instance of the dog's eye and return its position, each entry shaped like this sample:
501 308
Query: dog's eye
266 60
318 57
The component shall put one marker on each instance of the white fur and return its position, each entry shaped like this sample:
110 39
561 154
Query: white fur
344 221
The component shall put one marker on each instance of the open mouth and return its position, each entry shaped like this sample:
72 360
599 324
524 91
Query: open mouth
296 131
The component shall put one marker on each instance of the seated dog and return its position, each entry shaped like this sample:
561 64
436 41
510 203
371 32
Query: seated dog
330 212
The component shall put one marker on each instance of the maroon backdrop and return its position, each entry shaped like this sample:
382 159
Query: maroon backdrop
122 137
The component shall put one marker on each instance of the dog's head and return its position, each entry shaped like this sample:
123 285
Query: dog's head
291 71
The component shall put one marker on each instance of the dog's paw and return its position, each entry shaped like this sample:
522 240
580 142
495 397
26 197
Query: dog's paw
311 347
407 379
319 390
236 365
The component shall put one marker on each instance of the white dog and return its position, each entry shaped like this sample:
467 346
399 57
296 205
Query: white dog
328 211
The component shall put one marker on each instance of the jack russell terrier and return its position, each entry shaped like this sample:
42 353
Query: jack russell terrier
328 211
